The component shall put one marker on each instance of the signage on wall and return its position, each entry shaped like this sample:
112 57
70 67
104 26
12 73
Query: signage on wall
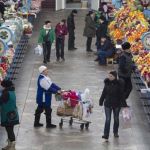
146 40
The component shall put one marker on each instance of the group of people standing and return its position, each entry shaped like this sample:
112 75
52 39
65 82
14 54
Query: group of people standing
117 86
48 36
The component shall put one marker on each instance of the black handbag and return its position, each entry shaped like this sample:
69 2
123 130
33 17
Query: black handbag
12 115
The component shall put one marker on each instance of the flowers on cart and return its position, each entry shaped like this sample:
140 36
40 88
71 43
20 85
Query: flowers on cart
76 104
27 28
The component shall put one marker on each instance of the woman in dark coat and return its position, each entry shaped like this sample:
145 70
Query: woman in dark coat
113 101
9 112
89 30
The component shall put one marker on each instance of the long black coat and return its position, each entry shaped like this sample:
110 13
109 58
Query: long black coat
112 95
102 30
70 23
90 27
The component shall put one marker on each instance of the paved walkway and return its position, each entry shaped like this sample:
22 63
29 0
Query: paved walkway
79 71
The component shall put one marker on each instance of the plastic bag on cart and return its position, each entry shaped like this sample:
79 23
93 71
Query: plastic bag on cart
64 109
38 50
78 111
87 103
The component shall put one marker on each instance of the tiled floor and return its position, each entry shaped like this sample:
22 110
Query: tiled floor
79 71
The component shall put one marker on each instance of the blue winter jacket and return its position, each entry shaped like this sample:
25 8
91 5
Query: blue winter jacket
44 97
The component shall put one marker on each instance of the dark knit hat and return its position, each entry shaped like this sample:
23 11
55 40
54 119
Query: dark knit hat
114 73
126 45
74 11
6 83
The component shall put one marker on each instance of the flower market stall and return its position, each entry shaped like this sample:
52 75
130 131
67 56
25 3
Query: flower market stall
14 34
130 24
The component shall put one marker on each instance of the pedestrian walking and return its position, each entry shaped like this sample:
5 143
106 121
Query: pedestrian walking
113 101
46 38
61 31
125 68
71 30
45 89
89 30
9 112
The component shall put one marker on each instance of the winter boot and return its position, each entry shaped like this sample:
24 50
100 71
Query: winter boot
37 120
7 146
12 145
48 120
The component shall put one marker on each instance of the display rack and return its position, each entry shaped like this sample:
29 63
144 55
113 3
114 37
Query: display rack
18 58
144 92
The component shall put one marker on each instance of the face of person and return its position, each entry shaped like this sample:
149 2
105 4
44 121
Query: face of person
127 51
74 14
101 21
48 25
93 15
103 40
61 23
45 72
111 77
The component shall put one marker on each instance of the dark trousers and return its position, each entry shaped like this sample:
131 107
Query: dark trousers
46 51
60 48
10 133
41 109
71 40
88 43
103 55
127 86
108 112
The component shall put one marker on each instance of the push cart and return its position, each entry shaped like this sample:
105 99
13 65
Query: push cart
71 115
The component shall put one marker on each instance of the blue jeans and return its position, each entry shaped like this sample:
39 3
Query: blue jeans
108 112
102 55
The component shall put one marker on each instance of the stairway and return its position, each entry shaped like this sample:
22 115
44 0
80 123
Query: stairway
48 4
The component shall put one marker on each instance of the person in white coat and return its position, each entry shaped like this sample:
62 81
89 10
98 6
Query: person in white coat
44 96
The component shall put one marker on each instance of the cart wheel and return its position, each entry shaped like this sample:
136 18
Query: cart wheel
70 121
87 126
82 126
61 123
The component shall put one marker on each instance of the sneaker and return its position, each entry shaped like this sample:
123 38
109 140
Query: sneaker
38 125
51 126
116 135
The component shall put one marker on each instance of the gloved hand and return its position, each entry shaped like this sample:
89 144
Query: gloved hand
100 104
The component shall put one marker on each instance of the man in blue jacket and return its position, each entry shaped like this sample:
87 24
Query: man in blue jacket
44 96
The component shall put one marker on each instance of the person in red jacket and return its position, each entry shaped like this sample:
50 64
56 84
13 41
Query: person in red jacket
61 31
